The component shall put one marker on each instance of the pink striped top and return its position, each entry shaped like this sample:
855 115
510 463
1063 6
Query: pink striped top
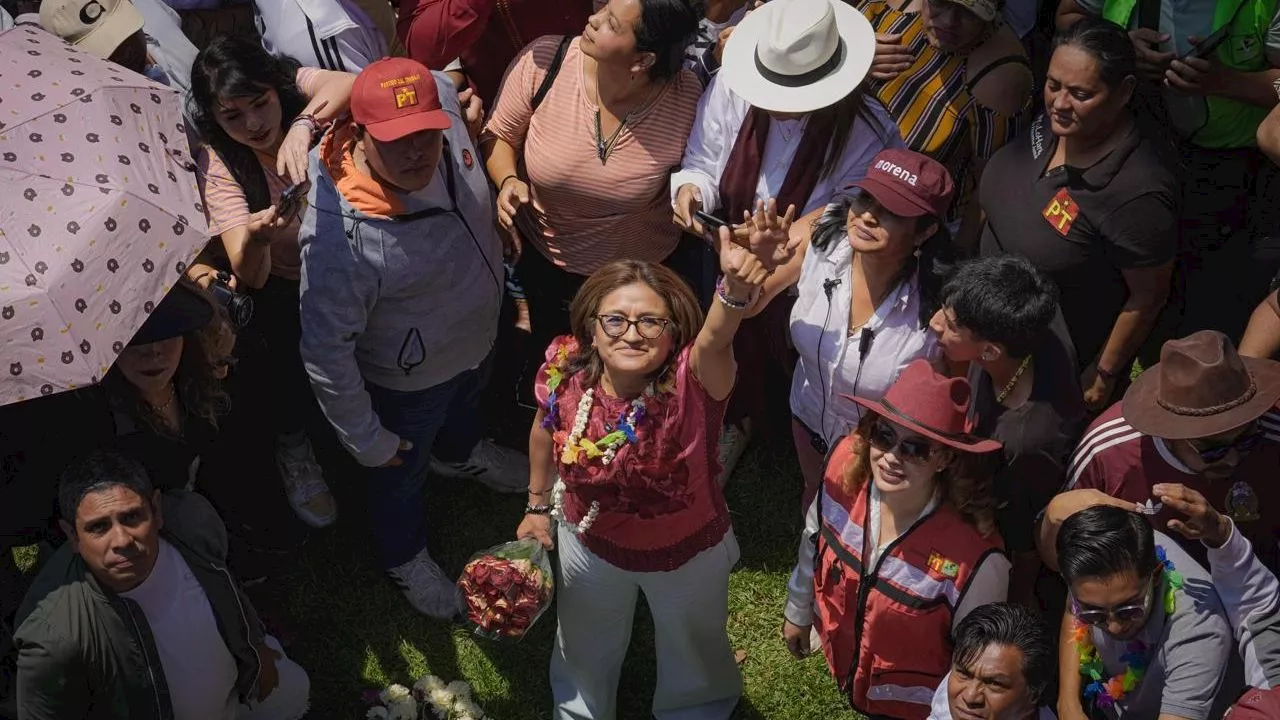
225 202
598 213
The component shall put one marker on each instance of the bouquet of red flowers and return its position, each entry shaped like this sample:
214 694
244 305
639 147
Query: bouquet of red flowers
507 588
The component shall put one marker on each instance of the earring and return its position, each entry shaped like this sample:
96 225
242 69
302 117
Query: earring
917 252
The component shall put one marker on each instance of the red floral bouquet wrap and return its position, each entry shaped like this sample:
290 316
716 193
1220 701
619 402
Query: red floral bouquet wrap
507 588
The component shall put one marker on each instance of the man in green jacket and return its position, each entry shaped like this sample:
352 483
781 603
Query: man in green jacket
137 617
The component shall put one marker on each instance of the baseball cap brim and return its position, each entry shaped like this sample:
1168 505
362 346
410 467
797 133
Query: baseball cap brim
890 199
120 25
396 128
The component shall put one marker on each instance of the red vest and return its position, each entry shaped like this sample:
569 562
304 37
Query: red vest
887 636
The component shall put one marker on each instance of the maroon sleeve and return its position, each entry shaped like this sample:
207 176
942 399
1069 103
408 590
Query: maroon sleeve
436 32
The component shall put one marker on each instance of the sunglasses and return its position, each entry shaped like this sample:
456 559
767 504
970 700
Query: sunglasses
1125 614
861 202
884 437
650 328
1245 443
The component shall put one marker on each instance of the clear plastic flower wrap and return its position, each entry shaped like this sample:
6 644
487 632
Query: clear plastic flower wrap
507 588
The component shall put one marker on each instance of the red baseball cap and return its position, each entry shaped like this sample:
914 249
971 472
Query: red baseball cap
395 97
1256 704
908 184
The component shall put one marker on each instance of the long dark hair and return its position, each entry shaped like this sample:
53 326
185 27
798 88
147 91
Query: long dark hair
845 112
665 29
932 266
232 66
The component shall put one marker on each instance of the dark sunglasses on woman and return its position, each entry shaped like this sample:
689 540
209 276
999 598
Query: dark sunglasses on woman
884 437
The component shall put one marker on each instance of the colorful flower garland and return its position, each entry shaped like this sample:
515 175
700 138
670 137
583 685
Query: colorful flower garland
1105 690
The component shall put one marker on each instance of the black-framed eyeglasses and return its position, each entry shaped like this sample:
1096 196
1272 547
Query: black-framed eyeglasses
884 437
649 327
861 202
1246 442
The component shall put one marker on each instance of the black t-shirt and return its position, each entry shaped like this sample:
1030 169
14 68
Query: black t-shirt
1082 226
1038 436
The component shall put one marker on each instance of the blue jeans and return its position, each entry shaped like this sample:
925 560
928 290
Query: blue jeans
443 420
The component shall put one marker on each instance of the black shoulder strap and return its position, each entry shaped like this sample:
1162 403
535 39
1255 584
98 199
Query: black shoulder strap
977 77
552 70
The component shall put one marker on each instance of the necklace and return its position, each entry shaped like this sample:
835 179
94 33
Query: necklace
1103 689
162 409
1008 387
557 510
605 146
606 448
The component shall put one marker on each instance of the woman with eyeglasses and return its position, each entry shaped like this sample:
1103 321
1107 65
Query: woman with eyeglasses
898 547
622 454
868 285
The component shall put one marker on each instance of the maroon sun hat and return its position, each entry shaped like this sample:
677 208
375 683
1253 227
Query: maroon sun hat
908 184
931 404
1256 705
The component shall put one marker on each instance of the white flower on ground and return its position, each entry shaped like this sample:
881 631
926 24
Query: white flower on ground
376 713
441 699
394 693
460 690
405 708
426 684
467 709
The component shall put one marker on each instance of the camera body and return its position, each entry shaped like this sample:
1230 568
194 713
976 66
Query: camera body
239 305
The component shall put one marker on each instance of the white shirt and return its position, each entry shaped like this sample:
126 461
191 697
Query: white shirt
720 116
328 34
198 667
167 44
990 582
941 707
830 364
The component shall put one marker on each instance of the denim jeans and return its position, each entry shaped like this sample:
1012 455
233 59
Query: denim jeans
443 420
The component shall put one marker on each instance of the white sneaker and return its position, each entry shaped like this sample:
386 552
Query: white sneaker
496 467
425 586
304 483
733 442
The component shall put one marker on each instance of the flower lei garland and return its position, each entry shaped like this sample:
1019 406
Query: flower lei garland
446 702
1104 690
580 450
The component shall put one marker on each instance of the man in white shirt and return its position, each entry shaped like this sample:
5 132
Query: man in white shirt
1002 663
328 34
136 616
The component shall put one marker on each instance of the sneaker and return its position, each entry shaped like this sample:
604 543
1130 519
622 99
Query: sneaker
425 586
733 442
304 484
498 468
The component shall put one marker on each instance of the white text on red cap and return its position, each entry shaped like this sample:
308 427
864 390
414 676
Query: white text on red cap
897 171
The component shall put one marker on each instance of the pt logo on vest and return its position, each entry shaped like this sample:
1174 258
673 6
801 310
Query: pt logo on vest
467 159
897 171
942 566
1061 212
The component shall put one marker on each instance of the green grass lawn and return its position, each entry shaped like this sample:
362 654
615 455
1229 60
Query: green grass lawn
353 631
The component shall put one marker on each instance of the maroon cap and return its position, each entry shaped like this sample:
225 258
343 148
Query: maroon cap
908 184
395 97
1256 704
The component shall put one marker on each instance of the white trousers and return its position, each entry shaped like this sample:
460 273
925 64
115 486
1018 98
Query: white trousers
290 699
698 678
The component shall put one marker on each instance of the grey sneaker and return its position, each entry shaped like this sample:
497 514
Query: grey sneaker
733 441
425 586
304 484
498 468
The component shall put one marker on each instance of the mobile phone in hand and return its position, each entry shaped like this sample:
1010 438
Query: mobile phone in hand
291 200
710 222
1208 45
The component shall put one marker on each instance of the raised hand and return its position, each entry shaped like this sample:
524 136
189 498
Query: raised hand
767 235
1202 522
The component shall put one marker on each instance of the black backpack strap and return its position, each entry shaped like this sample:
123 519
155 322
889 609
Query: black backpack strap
552 70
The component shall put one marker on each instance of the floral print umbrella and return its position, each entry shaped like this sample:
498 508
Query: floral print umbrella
99 210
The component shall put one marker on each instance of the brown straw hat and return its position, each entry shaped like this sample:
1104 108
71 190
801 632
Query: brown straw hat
1201 387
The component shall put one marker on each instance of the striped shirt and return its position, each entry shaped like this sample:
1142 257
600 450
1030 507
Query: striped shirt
226 205
598 212
933 103
1124 463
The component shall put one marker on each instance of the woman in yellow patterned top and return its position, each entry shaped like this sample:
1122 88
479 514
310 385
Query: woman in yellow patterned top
957 81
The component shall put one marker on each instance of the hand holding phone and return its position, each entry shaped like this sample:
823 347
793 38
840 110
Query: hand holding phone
1205 47
710 223
291 200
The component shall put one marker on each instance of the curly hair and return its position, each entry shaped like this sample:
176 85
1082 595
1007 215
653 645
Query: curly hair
966 483
686 315
196 383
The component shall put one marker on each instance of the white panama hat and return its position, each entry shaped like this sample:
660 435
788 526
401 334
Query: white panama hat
798 56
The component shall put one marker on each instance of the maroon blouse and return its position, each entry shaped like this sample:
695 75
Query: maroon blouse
659 501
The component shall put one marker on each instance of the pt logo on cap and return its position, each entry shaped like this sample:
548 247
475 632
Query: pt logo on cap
90 13
406 93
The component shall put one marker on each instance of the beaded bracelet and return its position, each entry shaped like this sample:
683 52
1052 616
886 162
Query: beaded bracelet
537 509
723 296
308 120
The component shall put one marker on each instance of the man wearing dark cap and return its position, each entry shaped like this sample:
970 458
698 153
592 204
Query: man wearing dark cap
1204 417
402 280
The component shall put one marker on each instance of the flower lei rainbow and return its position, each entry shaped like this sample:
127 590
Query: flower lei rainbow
1105 690
576 446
